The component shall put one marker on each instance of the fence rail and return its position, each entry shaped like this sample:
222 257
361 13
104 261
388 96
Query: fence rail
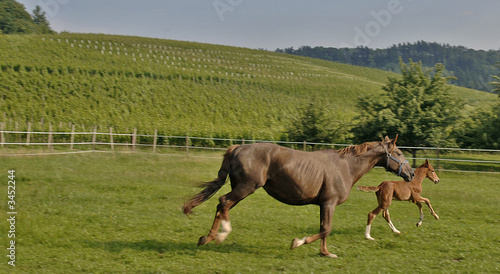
447 159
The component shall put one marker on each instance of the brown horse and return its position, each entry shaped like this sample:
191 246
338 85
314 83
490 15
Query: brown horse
324 178
402 191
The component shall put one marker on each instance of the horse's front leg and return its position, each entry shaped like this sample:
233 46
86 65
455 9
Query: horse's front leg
326 215
428 203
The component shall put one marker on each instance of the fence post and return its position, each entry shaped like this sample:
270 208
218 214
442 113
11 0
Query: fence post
437 153
72 141
305 146
2 136
28 134
16 128
111 138
134 139
187 145
94 137
49 143
154 140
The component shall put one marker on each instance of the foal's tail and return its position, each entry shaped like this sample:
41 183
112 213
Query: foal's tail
210 187
368 188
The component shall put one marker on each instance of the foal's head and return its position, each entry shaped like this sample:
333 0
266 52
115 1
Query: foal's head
431 174
394 160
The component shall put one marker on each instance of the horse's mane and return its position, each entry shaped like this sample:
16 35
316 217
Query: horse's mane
356 150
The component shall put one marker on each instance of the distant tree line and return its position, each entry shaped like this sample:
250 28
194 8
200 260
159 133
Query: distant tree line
417 105
15 19
471 68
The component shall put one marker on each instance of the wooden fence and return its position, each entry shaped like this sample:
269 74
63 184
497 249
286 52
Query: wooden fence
444 159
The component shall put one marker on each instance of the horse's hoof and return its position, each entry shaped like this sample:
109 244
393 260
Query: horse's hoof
419 224
329 255
298 242
202 240
370 238
437 217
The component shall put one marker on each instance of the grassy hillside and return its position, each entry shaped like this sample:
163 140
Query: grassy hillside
176 87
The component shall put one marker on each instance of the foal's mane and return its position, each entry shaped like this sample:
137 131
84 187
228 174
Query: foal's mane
356 150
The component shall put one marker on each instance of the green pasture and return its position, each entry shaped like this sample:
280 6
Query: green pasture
120 212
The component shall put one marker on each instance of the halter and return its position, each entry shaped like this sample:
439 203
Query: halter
389 156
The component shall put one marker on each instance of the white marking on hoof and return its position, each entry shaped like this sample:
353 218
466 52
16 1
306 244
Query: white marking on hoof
436 216
419 224
367 232
298 242
225 230
330 255
391 225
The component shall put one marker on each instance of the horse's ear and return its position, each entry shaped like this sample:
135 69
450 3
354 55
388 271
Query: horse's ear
387 140
395 139
427 161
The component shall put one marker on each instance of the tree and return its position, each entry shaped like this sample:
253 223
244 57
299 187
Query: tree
480 130
496 84
40 19
417 106
15 19
316 123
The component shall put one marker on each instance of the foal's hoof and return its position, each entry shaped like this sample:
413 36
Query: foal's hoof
329 255
437 217
202 240
419 224
298 242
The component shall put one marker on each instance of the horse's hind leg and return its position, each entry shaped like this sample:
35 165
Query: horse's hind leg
225 226
421 214
226 202
371 216
387 217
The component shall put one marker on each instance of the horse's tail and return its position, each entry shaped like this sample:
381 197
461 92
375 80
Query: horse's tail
368 188
209 188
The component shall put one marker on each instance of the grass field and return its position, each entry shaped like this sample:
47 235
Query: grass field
107 212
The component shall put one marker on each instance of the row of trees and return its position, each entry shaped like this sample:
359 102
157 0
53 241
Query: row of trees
15 19
417 105
472 68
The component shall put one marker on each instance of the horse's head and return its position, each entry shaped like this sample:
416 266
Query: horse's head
394 161
431 174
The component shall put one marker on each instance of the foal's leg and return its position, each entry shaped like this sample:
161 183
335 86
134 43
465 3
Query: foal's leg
371 216
384 198
387 217
326 215
226 202
428 203
419 204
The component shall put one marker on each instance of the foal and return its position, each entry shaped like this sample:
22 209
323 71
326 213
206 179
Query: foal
402 191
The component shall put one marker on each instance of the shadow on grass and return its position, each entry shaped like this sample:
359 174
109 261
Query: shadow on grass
171 247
